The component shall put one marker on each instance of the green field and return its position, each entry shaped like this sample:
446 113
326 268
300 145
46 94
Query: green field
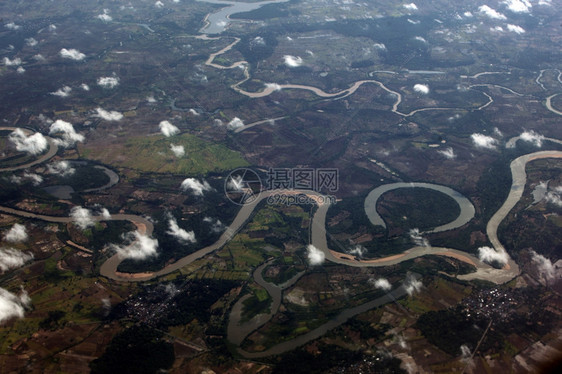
153 154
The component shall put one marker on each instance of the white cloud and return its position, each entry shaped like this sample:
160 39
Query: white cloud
137 247
104 213
34 178
216 225
104 17
11 258
235 183
490 13
69 137
33 144
421 88
167 129
381 283
410 6
553 196
52 27
292 61
62 168
516 29
380 46
490 255
411 285
420 39
108 82
20 70
177 150
273 86
315 256
196 187
235 124
12 305
150 99
15 62
72 54
358 251
159 4
532 137
544 265
108 115
448 153
85 87
81 217
418 239
179 233
497 28
483 141
31 42
518 6
39 58
12 26
467 14
16 234
62 92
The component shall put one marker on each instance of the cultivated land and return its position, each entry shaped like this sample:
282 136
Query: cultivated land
382 91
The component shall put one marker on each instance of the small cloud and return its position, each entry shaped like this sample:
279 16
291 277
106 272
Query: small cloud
11 258
273 86
418 239
553 196
516 29
12 305
150 99
235 124
381 283
490 13
177 150
85 87
103 213
216 225
31 42
72 54
12 26
104 17
421 88
532 137
137 247
314 255
20 70
39 58
518 6
35 179
62 168
380 46
33 144
490 255
411 285
15 62
483 141
467 14
108 82
108 115
167 129
544 265
52 27
497 29
235 183
410 6
448 153
62 92
69 137
196 187
159 4
420 39
16 234
292 61
358 251
179 233
81 217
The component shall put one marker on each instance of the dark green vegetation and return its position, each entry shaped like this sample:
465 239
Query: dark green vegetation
138 349
336 360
